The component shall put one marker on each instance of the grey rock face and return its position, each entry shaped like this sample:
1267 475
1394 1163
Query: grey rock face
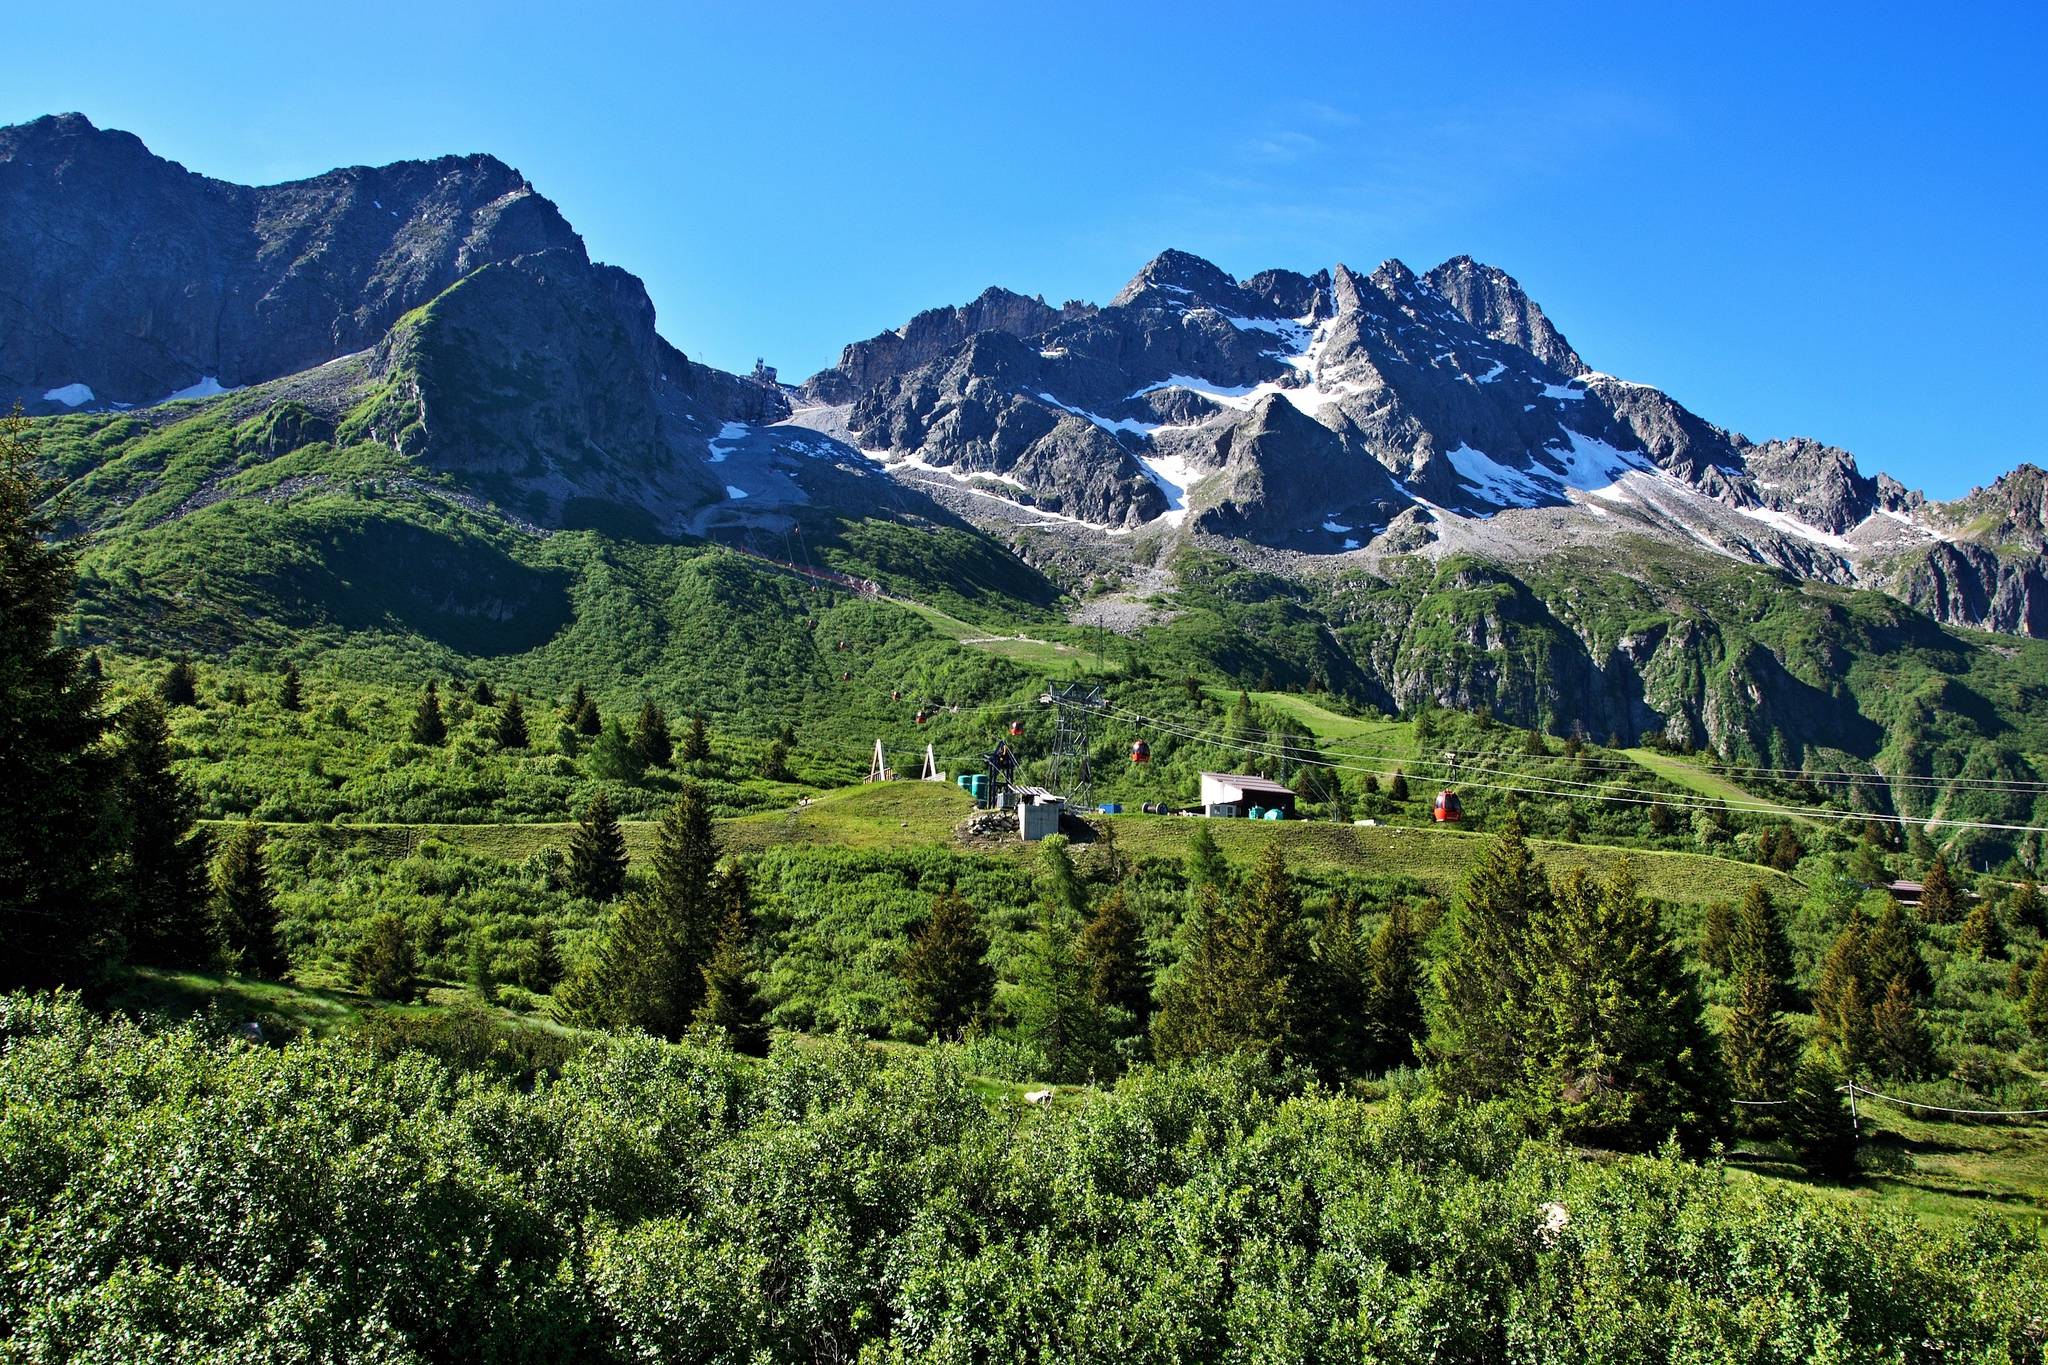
135 278
1492 301
866 364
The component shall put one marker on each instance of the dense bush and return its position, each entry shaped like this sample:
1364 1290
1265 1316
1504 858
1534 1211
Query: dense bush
177 1191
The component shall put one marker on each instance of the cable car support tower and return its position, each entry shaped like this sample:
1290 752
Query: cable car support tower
1076 706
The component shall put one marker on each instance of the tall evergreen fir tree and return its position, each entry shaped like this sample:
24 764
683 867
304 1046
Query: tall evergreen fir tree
511 728
1817 1123
1901 1044
1716 929
244 910
1243 991
947 983
482 694
1758 1044
648 970
180 685
697 743
730 1001
1939 895
162 865
651 738
1113 947
775 762
573 708
1840 1005
597 853
1394 982
1757 942
1760 1049
1477 1007
384 962
1340 1022
2034 1004
428 726
1056 1013
1204 863
1891 948
1397 788
290 695
1981 936
54 779
589 720
614 756
1621 1053
2026 907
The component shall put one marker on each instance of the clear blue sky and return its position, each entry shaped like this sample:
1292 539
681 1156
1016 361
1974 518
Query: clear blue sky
1797 219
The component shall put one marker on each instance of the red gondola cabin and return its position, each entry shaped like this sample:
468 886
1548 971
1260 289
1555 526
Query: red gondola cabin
1141 752
1448 807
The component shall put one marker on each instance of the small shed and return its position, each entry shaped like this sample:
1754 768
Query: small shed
1232 795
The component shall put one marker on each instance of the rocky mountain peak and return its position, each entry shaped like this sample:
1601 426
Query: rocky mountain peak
1491 300
1182 273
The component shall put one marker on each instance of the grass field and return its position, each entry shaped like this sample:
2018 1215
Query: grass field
1029 651
1683 772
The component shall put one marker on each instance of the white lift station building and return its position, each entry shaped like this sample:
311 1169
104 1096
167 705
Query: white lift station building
1236 795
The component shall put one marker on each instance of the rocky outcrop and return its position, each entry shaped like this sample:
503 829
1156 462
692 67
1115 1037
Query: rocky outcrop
125 278
1491 300
866 365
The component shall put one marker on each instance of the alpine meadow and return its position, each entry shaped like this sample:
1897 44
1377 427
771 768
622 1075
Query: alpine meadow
1282 817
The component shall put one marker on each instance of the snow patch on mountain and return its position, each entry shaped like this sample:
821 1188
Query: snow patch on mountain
727 434
70 395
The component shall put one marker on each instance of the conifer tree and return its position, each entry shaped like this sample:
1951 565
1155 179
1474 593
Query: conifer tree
537 964
2034 1006
482 694
947 984
1339 1024
1840 1003
483 977
1394 982
1759 1046
614 756
428 726
1055 1010
162 866
1891 948
384 962
1982 935
179 685
574 707
1817 1123
1113 947
54 779
1939 894
1477 1007
511 728
589 720
1760 1049
1757 942
1244 989
775 762
1715 931
2026 907
1204 863
1622 1056
1900 1042
730 1001
648 970
597 853
244 911
1397 789
289 695
697 744
651 738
